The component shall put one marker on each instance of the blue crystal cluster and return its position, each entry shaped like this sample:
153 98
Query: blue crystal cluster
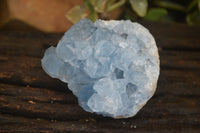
111 66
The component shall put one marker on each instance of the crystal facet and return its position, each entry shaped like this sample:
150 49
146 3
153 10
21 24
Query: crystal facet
111 66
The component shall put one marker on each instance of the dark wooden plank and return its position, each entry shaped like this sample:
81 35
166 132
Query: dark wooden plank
179 44
46 95
182 76
25 43
31 101
167 36
23 70
13 105
170 36
179 55
171 124
172 30
42 95
171 63
168 104
19 124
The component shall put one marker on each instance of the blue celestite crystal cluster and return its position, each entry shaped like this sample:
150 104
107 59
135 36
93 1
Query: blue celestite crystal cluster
111 66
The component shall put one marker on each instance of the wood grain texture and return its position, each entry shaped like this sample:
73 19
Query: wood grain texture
31 101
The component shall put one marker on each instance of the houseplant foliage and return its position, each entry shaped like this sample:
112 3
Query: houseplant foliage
154 10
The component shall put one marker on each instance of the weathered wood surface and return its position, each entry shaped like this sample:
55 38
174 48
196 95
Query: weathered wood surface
31 101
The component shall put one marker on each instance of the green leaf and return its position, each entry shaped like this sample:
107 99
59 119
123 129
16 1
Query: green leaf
99 5
170 5
93 16
128 17
199 4
155 14
110 2
192 5
88 4
112 5
77 13
139 6
193 18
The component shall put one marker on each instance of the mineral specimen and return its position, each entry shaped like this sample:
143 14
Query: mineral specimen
111 66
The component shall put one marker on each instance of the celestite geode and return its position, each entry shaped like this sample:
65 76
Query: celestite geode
111 66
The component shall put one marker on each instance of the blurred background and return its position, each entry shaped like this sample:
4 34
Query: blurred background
59 15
